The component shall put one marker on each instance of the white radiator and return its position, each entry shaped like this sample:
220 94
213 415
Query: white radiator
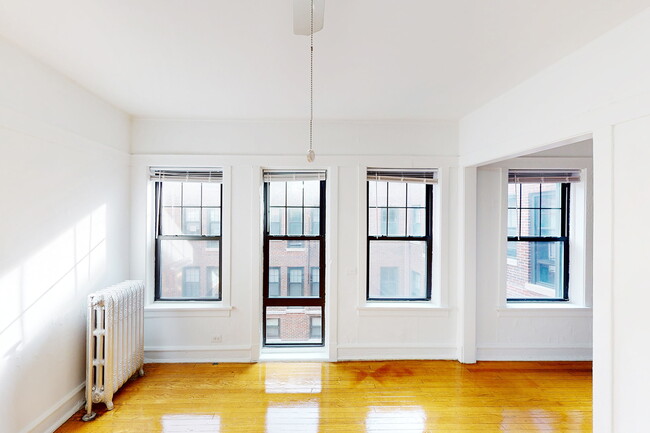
115 341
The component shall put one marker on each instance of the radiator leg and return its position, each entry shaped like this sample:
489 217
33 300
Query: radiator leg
110 405
89 415
141 372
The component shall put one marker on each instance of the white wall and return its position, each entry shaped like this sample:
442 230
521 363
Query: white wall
597 91
64 233
291 137
604 83
532 331
631 293
355 330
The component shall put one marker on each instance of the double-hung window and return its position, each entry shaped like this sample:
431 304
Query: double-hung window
538 234
188 233
294 257
400 234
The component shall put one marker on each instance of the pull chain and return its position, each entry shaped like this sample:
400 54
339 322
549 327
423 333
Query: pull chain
310 154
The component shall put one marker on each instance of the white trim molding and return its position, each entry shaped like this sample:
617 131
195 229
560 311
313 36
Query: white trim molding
59 413
394 352
551 353
189 354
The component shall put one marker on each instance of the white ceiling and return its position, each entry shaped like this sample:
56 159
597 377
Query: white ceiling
239 59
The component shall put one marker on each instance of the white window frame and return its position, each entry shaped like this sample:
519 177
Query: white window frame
438 304
141 182
580 281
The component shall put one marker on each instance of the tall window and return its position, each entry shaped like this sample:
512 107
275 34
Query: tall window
538 234
294 256
188 234
400 234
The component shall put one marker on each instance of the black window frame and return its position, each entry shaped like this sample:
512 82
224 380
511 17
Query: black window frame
159 238
428 238
288 301
563 238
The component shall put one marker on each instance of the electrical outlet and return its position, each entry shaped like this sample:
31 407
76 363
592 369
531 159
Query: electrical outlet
216 339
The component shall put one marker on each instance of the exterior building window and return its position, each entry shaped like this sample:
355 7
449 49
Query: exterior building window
188 234
294 255
274 281
295 281
315 327
538 235
400 234
295 245
416 284
314 276
273 328
388 281
212 274
191 281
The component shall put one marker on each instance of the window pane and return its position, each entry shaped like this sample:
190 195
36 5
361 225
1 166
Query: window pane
294 226
291 325
396 222
277 193
529 222
416 222
191 281
312 221
274 282
293 265
513 195
171 193
276 221
191 221
552 195
272 328
294 193
392 266
535 270
314 281
397 194
377 222
182 263
191 194
530 195
312 193
417 285
171 221
212 221
513 222
417 195
295 282
212 289
377 194
211 194
551 222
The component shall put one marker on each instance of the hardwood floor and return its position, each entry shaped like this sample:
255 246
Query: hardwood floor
382 396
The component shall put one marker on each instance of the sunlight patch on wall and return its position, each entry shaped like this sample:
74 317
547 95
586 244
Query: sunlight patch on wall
50 280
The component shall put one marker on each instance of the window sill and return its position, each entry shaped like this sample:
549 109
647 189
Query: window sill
186 309
402 309
537 309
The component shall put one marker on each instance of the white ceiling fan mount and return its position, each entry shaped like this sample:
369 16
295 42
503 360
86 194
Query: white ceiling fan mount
302 16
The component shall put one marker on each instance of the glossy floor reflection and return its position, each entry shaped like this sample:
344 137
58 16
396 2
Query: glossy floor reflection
383 397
